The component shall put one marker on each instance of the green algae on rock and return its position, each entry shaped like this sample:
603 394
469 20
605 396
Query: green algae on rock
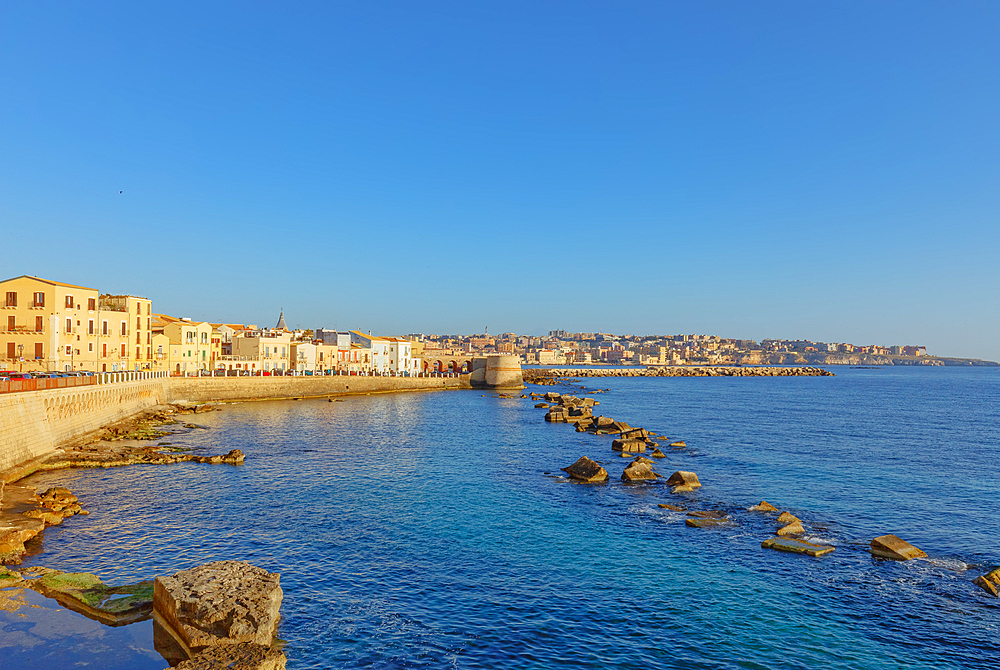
84 593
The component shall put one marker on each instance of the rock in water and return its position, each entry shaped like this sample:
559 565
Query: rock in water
682 481
990 582
673 508
793 528
705 523
632 446
890 546
638 472
658 454
678 444
225 602
787 517
236 657
586 470
764 506
795 546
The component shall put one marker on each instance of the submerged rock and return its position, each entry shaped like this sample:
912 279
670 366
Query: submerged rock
990 582
673 508
677 444
764 506
706 523
894 548
683 481
586 470
796 546
708 514
225 602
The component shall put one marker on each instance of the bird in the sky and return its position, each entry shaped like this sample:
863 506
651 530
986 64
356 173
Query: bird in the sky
121 191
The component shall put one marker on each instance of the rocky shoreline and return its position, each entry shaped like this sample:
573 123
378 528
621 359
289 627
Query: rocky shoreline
219 615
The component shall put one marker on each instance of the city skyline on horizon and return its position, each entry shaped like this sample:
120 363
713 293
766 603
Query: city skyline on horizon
789 172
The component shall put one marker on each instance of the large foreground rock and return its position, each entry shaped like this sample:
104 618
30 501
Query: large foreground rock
236 657
225 602
890 546
586 470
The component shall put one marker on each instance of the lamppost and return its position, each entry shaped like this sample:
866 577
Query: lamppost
20 356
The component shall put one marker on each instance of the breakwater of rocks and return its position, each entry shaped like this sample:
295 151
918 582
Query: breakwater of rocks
533 375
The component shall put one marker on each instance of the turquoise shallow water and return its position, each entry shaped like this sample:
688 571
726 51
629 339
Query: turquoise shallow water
421 530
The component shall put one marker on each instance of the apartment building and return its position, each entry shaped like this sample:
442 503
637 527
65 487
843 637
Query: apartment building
270 347
47 325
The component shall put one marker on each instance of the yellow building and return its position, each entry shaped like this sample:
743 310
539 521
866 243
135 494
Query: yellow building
47 325
189 348
125 333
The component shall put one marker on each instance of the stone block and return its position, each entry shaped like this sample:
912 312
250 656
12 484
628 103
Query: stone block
796 546
894 548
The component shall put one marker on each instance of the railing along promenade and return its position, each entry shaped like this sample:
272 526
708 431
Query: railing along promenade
97 379
104 378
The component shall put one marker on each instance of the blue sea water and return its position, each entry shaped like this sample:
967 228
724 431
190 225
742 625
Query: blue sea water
429 530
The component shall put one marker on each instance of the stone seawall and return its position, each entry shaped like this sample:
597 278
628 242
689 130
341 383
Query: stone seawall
33 423
210 389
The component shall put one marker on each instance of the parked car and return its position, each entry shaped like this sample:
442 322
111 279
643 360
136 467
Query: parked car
17 375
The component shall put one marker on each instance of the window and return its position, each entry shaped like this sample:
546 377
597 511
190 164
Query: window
138 353
149 353
39 324
69 301
147 323
69 325
189 337
122 354
90 327
91 304
149 338
137 308
204 338
104 350
90 346
159 350
138 338
10 323
11 350
69 350
12 298
138 323
124 328
39 300
38 351
104 328
149 307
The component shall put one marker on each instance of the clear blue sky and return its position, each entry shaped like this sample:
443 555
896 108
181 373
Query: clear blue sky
828 171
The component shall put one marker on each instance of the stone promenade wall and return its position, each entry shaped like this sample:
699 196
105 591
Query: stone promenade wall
33 423
207 389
